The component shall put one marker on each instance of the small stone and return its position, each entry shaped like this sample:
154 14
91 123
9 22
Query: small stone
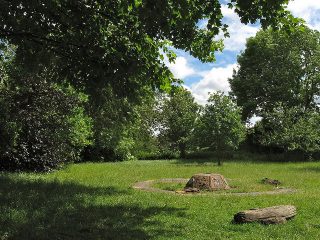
271 181
192 190
180 192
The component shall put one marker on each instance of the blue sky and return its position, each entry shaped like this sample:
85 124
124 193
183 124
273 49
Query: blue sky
201 78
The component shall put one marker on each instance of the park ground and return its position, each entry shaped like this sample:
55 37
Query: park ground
97 201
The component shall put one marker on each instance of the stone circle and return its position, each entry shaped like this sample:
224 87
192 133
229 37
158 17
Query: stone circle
147 186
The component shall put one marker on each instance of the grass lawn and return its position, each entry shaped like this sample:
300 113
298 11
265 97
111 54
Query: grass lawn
96 201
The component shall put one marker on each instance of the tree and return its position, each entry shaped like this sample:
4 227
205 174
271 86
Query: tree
123 129
41 125
279 80
116 42
291 130
6 61
145 126
219 127
277 68
110 50
112 116
179 113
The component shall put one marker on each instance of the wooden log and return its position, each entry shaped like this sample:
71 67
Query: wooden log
270 215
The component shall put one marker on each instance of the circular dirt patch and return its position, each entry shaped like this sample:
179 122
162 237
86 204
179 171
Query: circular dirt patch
148 186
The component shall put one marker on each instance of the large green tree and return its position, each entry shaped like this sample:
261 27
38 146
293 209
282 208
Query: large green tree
41 125
94 43
278 68
290 130
145 126
123 130
113 50
179 114
220 127
279 79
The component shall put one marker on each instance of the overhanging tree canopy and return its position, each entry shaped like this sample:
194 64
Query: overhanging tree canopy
116 42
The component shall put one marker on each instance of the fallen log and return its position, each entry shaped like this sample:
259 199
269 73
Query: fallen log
270 215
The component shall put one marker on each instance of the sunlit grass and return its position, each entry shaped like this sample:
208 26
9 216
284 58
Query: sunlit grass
169 186
96 201
236 186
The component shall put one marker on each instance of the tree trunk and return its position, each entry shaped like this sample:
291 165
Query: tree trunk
270 215
219 155
182 149
219 161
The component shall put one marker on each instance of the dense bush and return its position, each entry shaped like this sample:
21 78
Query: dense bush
289 130
157 155
41 125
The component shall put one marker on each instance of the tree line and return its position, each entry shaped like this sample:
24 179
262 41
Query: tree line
86 80
279 80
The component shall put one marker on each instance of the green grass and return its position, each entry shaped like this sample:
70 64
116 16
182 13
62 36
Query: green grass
96 201
236 186
169 186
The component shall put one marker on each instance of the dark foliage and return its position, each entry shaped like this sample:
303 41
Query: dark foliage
108 50
35 126
157 155
116 43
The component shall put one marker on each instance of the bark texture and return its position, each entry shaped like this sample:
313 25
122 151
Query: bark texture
270 215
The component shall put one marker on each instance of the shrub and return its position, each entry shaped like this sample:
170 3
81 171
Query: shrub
42 125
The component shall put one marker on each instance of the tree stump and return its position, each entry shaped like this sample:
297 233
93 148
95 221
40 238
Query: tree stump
270 215
207 181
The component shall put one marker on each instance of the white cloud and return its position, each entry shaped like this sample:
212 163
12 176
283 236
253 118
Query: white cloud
238 32
309 10
214 80
180 68
254 120
217 78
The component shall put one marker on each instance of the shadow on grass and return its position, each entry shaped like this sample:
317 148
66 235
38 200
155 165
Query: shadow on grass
54 210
